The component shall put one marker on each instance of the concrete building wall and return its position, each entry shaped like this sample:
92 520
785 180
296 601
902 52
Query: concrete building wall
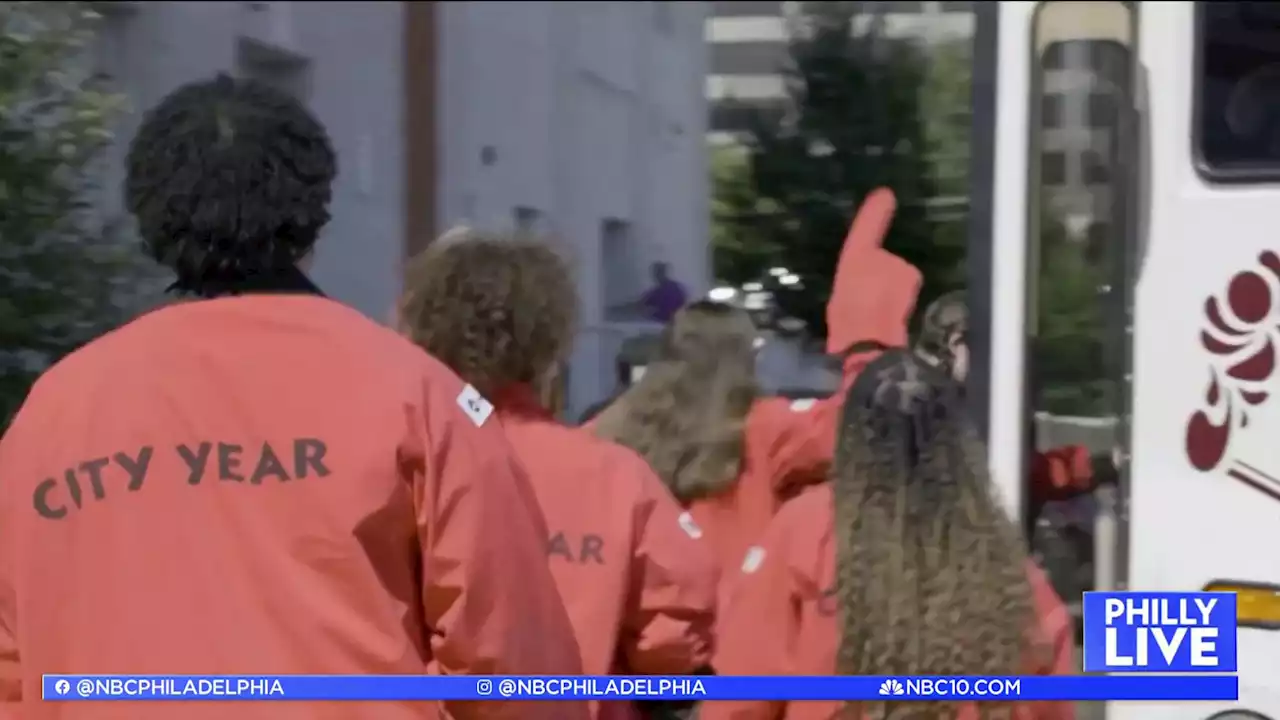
567 116
584 120
342 58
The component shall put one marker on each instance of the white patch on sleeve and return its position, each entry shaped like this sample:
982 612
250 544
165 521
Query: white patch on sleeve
689 526
474 405
753 560
803 405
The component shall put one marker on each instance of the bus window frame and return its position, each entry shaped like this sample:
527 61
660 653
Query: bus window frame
984 94
1128 231
1034 142
1249 173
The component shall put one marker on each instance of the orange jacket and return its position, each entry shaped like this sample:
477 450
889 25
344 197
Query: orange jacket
1060 473
733 520
1055 474
638 580
776 622
267 484
873 295
788 444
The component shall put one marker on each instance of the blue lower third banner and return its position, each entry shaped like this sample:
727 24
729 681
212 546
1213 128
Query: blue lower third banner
1132 632
617 687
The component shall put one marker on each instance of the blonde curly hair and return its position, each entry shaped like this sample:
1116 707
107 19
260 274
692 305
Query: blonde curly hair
497 309
931 574
687 414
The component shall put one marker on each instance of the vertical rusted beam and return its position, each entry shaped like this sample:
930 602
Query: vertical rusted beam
421 43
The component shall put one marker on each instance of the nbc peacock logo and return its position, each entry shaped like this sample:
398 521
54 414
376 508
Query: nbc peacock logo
891 687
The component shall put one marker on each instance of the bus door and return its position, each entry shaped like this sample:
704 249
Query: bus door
1062 238
1150 172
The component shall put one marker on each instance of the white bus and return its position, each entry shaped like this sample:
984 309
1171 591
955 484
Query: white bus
1164 117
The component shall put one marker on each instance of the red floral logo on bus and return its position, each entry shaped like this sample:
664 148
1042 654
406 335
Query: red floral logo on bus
1241 331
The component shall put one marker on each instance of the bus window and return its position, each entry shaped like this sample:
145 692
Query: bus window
1082 78
1237 111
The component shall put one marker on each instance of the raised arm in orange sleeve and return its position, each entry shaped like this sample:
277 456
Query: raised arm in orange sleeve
671 612
758 626
488 594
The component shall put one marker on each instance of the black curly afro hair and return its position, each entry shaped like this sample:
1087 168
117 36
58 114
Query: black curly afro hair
229 179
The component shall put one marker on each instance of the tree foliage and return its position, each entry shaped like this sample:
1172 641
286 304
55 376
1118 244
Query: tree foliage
855 124
61 278
947 110
1070 347
740 252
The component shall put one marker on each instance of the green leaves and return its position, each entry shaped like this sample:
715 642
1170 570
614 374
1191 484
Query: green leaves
1070 348
61 272
856 122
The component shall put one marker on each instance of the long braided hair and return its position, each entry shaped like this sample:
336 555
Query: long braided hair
931 572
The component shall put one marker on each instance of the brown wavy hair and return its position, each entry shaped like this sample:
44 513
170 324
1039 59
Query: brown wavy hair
687 413
497 309
931 574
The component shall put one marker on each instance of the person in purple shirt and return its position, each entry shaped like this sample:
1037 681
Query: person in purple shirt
661 301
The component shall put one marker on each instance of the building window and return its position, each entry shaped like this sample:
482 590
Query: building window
746 9
897 7
740 116
1102 110
528 220
618 267
1096 170
1097 241
1053 169
1051 111
1237 129
757 57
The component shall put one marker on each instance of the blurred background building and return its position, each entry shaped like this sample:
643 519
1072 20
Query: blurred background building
1078 120
748 42
749 54
750 59
586 121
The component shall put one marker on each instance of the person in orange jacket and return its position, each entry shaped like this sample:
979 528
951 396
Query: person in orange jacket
904 564
873 296
695 418
259 479
871 302
729 454
633 569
